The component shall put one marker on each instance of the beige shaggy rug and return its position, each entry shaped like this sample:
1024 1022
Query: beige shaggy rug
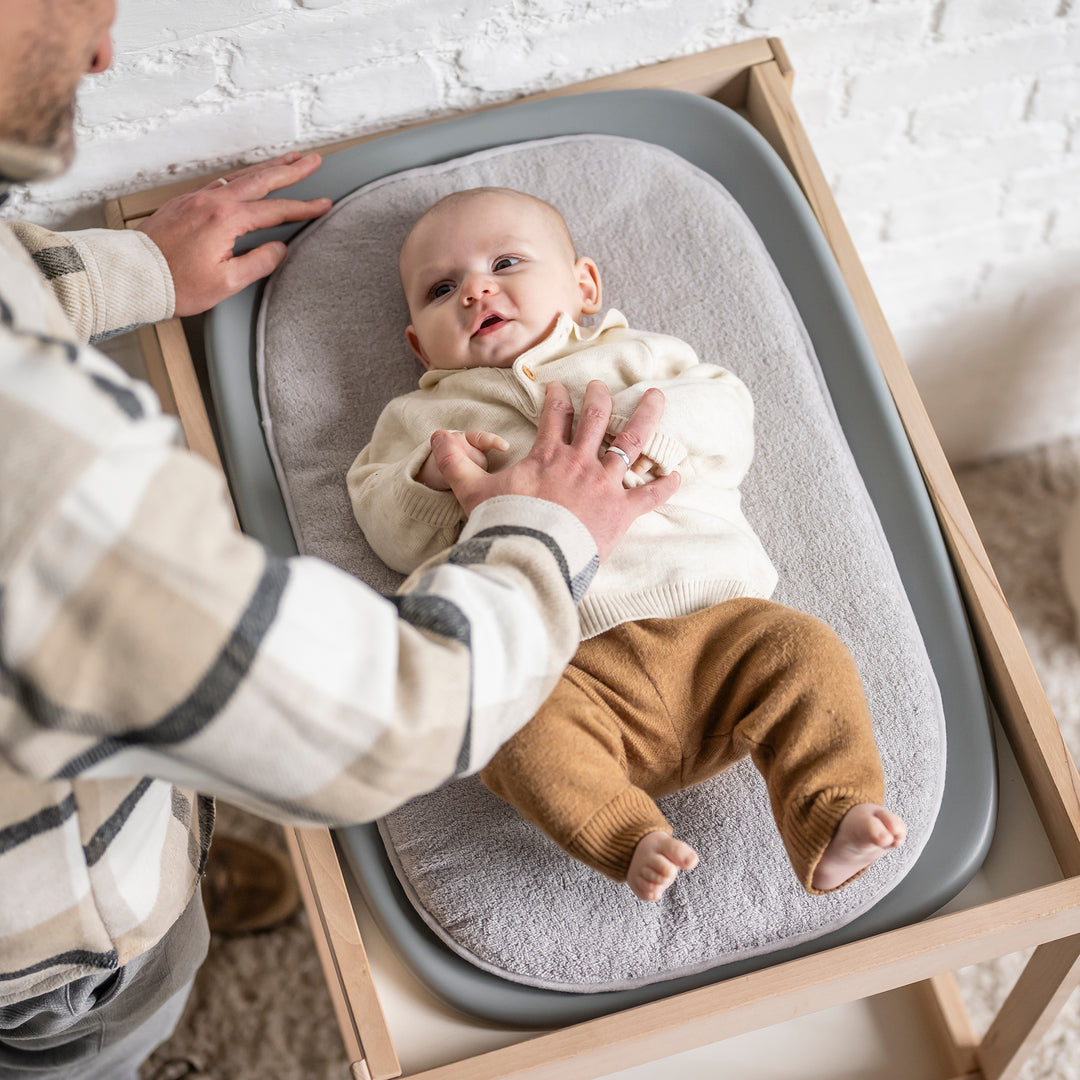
260 1009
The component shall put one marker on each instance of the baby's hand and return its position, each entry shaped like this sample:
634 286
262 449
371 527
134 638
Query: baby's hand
644 466
476 444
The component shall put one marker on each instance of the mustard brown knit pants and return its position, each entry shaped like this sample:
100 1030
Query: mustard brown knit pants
650 707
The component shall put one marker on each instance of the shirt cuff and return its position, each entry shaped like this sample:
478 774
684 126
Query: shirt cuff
522 513
130 281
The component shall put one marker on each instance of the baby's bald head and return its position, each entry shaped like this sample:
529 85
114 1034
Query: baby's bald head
456 200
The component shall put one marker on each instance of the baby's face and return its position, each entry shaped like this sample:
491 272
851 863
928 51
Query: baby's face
486 279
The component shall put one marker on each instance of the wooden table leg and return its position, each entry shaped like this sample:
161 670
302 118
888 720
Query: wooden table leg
342 955
951 1019
1045 984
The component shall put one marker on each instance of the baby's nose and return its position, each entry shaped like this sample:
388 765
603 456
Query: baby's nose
478 285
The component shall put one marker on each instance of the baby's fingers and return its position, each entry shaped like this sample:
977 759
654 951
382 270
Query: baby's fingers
485 440
452 459
655 492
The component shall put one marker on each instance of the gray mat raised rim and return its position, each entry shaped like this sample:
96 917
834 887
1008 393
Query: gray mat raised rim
718 141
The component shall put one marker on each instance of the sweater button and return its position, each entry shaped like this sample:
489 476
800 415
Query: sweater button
528 373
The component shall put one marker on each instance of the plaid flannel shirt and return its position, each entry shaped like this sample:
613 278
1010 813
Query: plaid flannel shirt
149 652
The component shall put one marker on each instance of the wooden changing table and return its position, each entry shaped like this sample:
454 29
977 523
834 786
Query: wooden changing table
1028 896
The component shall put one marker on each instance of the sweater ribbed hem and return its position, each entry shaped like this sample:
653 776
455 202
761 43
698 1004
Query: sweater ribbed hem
598 613
439 509
607 840
808 830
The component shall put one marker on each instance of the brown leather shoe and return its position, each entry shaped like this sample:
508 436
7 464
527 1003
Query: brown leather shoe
246 888
185 1068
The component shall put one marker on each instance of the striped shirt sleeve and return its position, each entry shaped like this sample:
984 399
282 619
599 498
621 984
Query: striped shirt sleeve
141 635
107 281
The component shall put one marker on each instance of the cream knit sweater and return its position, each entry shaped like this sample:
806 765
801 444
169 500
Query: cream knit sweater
694 551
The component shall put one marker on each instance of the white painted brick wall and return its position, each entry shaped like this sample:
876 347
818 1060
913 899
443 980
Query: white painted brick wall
969 18
405 88
136 90
948 129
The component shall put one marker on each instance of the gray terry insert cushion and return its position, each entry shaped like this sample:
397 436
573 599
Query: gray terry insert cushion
677 256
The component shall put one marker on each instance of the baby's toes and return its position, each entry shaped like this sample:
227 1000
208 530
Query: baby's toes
877 832
660 869
889 829
893 828
682 855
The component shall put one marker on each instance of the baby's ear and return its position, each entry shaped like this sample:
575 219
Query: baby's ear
588 279
414 344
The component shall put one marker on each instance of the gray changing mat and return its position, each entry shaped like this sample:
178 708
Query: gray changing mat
678 255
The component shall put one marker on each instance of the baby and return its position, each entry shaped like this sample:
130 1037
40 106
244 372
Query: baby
685 665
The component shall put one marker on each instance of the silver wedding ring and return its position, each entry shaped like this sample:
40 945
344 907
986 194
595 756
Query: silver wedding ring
622 453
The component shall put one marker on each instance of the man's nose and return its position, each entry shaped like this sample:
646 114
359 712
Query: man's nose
102 57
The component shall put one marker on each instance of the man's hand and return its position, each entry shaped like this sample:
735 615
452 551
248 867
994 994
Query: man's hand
570 471
474 444
644 466
196 232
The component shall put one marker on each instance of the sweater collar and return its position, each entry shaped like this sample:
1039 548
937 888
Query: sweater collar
20 164
564 335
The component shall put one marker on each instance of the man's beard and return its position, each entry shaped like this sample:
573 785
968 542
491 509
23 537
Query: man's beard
37 138
58 132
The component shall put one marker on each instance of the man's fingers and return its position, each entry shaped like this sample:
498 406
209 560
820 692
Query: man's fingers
271 212
556 418
616 461
231 176
257 181
640 427
257 263
655 492
454 463
593 421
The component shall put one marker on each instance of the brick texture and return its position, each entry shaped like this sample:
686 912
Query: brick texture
948 129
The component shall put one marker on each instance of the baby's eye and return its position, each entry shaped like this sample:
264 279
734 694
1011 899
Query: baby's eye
506 262
441 289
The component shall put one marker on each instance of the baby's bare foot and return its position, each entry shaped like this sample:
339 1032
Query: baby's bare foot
657 860
864 834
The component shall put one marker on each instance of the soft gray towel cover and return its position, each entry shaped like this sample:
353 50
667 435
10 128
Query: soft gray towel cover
677 256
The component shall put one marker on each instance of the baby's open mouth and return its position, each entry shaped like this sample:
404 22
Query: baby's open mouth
490 322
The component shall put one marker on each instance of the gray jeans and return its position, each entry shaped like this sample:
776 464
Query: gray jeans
102 1027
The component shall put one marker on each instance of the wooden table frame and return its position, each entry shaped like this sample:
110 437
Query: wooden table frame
755 77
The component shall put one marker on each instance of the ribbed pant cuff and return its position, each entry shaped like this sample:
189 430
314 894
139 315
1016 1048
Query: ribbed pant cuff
607 840
808 830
